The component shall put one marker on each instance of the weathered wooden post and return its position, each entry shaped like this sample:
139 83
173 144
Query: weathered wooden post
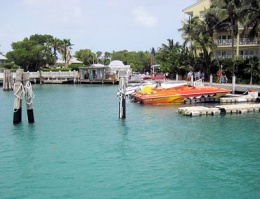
28 96
122 93
233 84
18 94
40 74
7 81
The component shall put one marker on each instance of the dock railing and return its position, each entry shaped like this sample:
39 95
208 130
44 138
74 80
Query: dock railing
48 75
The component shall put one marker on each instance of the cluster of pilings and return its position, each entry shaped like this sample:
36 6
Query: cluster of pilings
22 88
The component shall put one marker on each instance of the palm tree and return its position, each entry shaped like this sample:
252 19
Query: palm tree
171 45
199 35
190 32
250 14
65 50
228 12
55 44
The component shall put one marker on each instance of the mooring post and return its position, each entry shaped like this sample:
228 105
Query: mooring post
210 79
28 96
18 94
40 75
7 81
122 96
233 84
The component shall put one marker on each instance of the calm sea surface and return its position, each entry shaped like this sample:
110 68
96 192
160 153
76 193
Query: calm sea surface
79 148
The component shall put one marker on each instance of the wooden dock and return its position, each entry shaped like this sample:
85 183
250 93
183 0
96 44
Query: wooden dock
221 109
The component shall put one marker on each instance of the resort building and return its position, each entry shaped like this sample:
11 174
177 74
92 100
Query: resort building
102 73
244 48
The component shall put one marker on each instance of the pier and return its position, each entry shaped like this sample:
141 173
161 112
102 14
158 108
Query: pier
63 77
48 77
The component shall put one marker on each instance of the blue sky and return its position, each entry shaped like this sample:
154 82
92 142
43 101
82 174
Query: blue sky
99 25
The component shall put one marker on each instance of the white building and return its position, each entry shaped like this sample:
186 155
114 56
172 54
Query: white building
3 59
117 65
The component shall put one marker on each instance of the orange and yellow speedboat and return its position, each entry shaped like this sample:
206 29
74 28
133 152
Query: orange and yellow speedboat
179 94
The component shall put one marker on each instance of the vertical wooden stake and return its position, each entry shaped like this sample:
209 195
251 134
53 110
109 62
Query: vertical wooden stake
28 96
18 93
122 96
233 84
7 80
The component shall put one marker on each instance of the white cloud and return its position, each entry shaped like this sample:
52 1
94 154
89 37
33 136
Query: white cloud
143 18
57 12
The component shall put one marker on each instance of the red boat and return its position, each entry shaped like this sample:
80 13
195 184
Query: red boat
179 94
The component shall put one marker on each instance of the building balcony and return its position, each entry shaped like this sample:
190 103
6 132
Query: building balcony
246 41
247 56
224 56
242 41
223 42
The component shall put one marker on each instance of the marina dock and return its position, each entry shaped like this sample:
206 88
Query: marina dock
61 77
220 109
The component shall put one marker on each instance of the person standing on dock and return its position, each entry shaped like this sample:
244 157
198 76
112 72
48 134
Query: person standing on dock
202 76
219 74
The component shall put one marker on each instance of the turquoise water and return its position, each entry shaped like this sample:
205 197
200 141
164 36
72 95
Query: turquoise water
79 148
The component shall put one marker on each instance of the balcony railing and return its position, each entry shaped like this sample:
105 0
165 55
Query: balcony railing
241 56
246 41
246 56
224 42
224 56
242 41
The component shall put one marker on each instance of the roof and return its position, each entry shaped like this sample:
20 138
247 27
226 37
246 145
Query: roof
118 64
2 57
75 61
72 61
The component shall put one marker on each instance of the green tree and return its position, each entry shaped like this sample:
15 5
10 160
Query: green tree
32 53
250 17
190 33
253 68
86 56
169 57
228 12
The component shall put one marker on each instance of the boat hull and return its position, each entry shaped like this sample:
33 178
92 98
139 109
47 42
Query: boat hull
177 94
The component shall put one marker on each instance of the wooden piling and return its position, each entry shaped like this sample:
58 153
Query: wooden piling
18 93
28 97
7 80
122 93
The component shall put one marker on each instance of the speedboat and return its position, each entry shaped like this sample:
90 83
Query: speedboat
177 94
132 88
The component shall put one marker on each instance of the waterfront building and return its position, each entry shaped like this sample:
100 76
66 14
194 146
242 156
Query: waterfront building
244 47
102 73
3 59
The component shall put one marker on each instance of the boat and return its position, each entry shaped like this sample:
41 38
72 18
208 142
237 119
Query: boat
157 77
177 94
132 88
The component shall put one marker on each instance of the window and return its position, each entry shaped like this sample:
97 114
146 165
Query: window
202 14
